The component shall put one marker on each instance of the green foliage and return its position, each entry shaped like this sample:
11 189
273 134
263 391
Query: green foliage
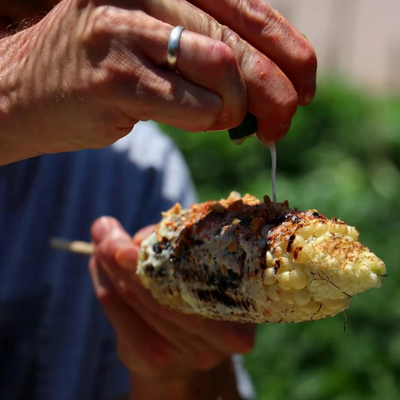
342 157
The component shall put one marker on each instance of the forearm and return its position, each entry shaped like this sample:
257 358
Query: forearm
12 145
217 383
25 103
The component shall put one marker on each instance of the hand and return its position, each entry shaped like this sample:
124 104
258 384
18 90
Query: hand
85 74
154 342
163 349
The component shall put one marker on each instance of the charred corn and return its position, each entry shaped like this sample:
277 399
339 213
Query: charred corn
244 260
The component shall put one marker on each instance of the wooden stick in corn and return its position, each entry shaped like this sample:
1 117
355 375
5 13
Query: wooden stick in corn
244 260
74 246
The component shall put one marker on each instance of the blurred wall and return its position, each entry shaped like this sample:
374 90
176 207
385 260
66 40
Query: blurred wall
359 39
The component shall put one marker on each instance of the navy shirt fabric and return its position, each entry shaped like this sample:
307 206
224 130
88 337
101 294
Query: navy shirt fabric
55 342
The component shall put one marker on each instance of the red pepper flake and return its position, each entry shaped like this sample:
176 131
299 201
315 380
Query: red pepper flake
233 247
257 224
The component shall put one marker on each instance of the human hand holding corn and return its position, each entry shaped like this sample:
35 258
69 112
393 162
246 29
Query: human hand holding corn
238 260
168 353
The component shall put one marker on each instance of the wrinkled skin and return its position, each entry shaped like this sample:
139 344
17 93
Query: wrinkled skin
102 63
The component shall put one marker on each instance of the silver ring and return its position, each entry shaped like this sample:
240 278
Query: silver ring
173 47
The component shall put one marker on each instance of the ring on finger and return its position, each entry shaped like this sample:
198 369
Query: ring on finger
173 47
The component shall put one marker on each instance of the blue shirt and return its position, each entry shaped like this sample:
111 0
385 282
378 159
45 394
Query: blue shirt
55 342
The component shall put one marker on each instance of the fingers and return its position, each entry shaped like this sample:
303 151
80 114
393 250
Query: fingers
209 82
184 340
192 350
211 64
198 349
180 346
263 27
140 347
274 127
227 337
268 70
101 283
114 246
167 98
270 94
102 227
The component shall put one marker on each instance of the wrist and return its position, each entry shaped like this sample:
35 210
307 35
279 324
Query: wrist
14 127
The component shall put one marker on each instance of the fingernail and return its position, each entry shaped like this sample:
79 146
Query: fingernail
283 131
266 140
308 91
106 223
101 228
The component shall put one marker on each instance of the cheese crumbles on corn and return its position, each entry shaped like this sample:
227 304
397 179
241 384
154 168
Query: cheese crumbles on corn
240 259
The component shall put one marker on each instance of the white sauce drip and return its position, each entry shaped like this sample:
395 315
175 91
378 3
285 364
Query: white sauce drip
272 149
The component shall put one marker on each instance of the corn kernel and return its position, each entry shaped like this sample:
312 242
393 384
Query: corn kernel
298 242
320 229
374 278
282 264
301 297
298 279
340 229
284 281
337 305
311 308
269 259
272 293
269 277
364 270
234 196
287 297
378 268
352 232
348 269
303 256
305 232
326 311
307 280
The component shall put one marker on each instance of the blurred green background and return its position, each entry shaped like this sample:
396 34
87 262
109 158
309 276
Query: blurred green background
342 157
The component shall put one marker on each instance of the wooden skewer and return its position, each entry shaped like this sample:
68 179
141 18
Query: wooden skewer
72 246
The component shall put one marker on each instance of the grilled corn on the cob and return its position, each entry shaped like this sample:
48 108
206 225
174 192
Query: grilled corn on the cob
244 260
